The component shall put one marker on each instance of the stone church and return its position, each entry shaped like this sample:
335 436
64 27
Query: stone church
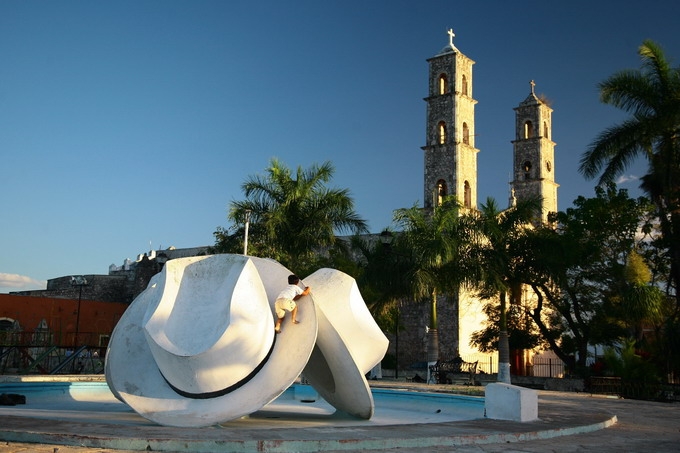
450 168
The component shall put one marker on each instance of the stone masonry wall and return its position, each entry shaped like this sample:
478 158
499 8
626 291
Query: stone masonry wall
412 337
105 288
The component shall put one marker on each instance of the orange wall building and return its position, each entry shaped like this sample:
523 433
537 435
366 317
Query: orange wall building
56 321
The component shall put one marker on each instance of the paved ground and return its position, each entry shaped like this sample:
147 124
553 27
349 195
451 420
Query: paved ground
640 427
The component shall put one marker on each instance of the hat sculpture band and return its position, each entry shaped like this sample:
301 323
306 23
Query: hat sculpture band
197 347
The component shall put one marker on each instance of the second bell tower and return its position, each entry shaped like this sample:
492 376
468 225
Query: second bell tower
534 154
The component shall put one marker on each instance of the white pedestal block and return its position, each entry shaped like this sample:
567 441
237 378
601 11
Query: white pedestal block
510 402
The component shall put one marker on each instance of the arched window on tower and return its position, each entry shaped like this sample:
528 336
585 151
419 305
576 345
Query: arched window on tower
441 192
464 85
527 169
441 128
467 197
545 129
466 134
443 84
528 129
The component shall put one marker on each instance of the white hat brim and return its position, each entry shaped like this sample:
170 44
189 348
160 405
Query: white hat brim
348 345
331 370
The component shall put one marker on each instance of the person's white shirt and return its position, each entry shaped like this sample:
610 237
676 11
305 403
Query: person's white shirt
289 292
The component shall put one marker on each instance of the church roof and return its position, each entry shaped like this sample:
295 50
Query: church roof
532 99
447 49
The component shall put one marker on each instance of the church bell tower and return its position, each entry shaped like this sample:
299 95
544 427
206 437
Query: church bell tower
534 154
450 153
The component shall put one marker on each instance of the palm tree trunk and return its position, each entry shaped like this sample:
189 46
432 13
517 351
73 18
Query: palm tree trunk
503 344
674 241
433 311
432 335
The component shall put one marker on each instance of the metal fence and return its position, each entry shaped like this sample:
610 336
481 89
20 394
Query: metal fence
45 352
51 360
548 367
542 367
486 363
47 338
633 389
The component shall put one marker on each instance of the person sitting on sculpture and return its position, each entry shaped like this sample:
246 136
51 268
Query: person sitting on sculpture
286 301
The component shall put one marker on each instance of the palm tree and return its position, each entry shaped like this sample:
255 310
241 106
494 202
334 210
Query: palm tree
382 266
294 216
652 96
432 244
496 262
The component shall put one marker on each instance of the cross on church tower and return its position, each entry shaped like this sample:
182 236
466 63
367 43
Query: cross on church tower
451 35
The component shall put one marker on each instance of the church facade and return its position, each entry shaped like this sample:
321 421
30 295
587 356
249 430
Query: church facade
450 168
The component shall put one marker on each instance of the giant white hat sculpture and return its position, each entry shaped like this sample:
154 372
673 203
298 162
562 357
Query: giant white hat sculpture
349 343
198 347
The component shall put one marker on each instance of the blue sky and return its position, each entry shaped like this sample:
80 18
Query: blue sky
131 125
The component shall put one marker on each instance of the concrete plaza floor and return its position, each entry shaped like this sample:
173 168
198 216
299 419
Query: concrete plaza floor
568 422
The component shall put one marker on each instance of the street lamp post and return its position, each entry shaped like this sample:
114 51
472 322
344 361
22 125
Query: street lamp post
245 233
386 238
79 281
396 344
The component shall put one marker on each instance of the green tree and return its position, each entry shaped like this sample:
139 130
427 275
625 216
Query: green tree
293 217
497 263
585 277
521 334
382 266
640 301
429 255
652 96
